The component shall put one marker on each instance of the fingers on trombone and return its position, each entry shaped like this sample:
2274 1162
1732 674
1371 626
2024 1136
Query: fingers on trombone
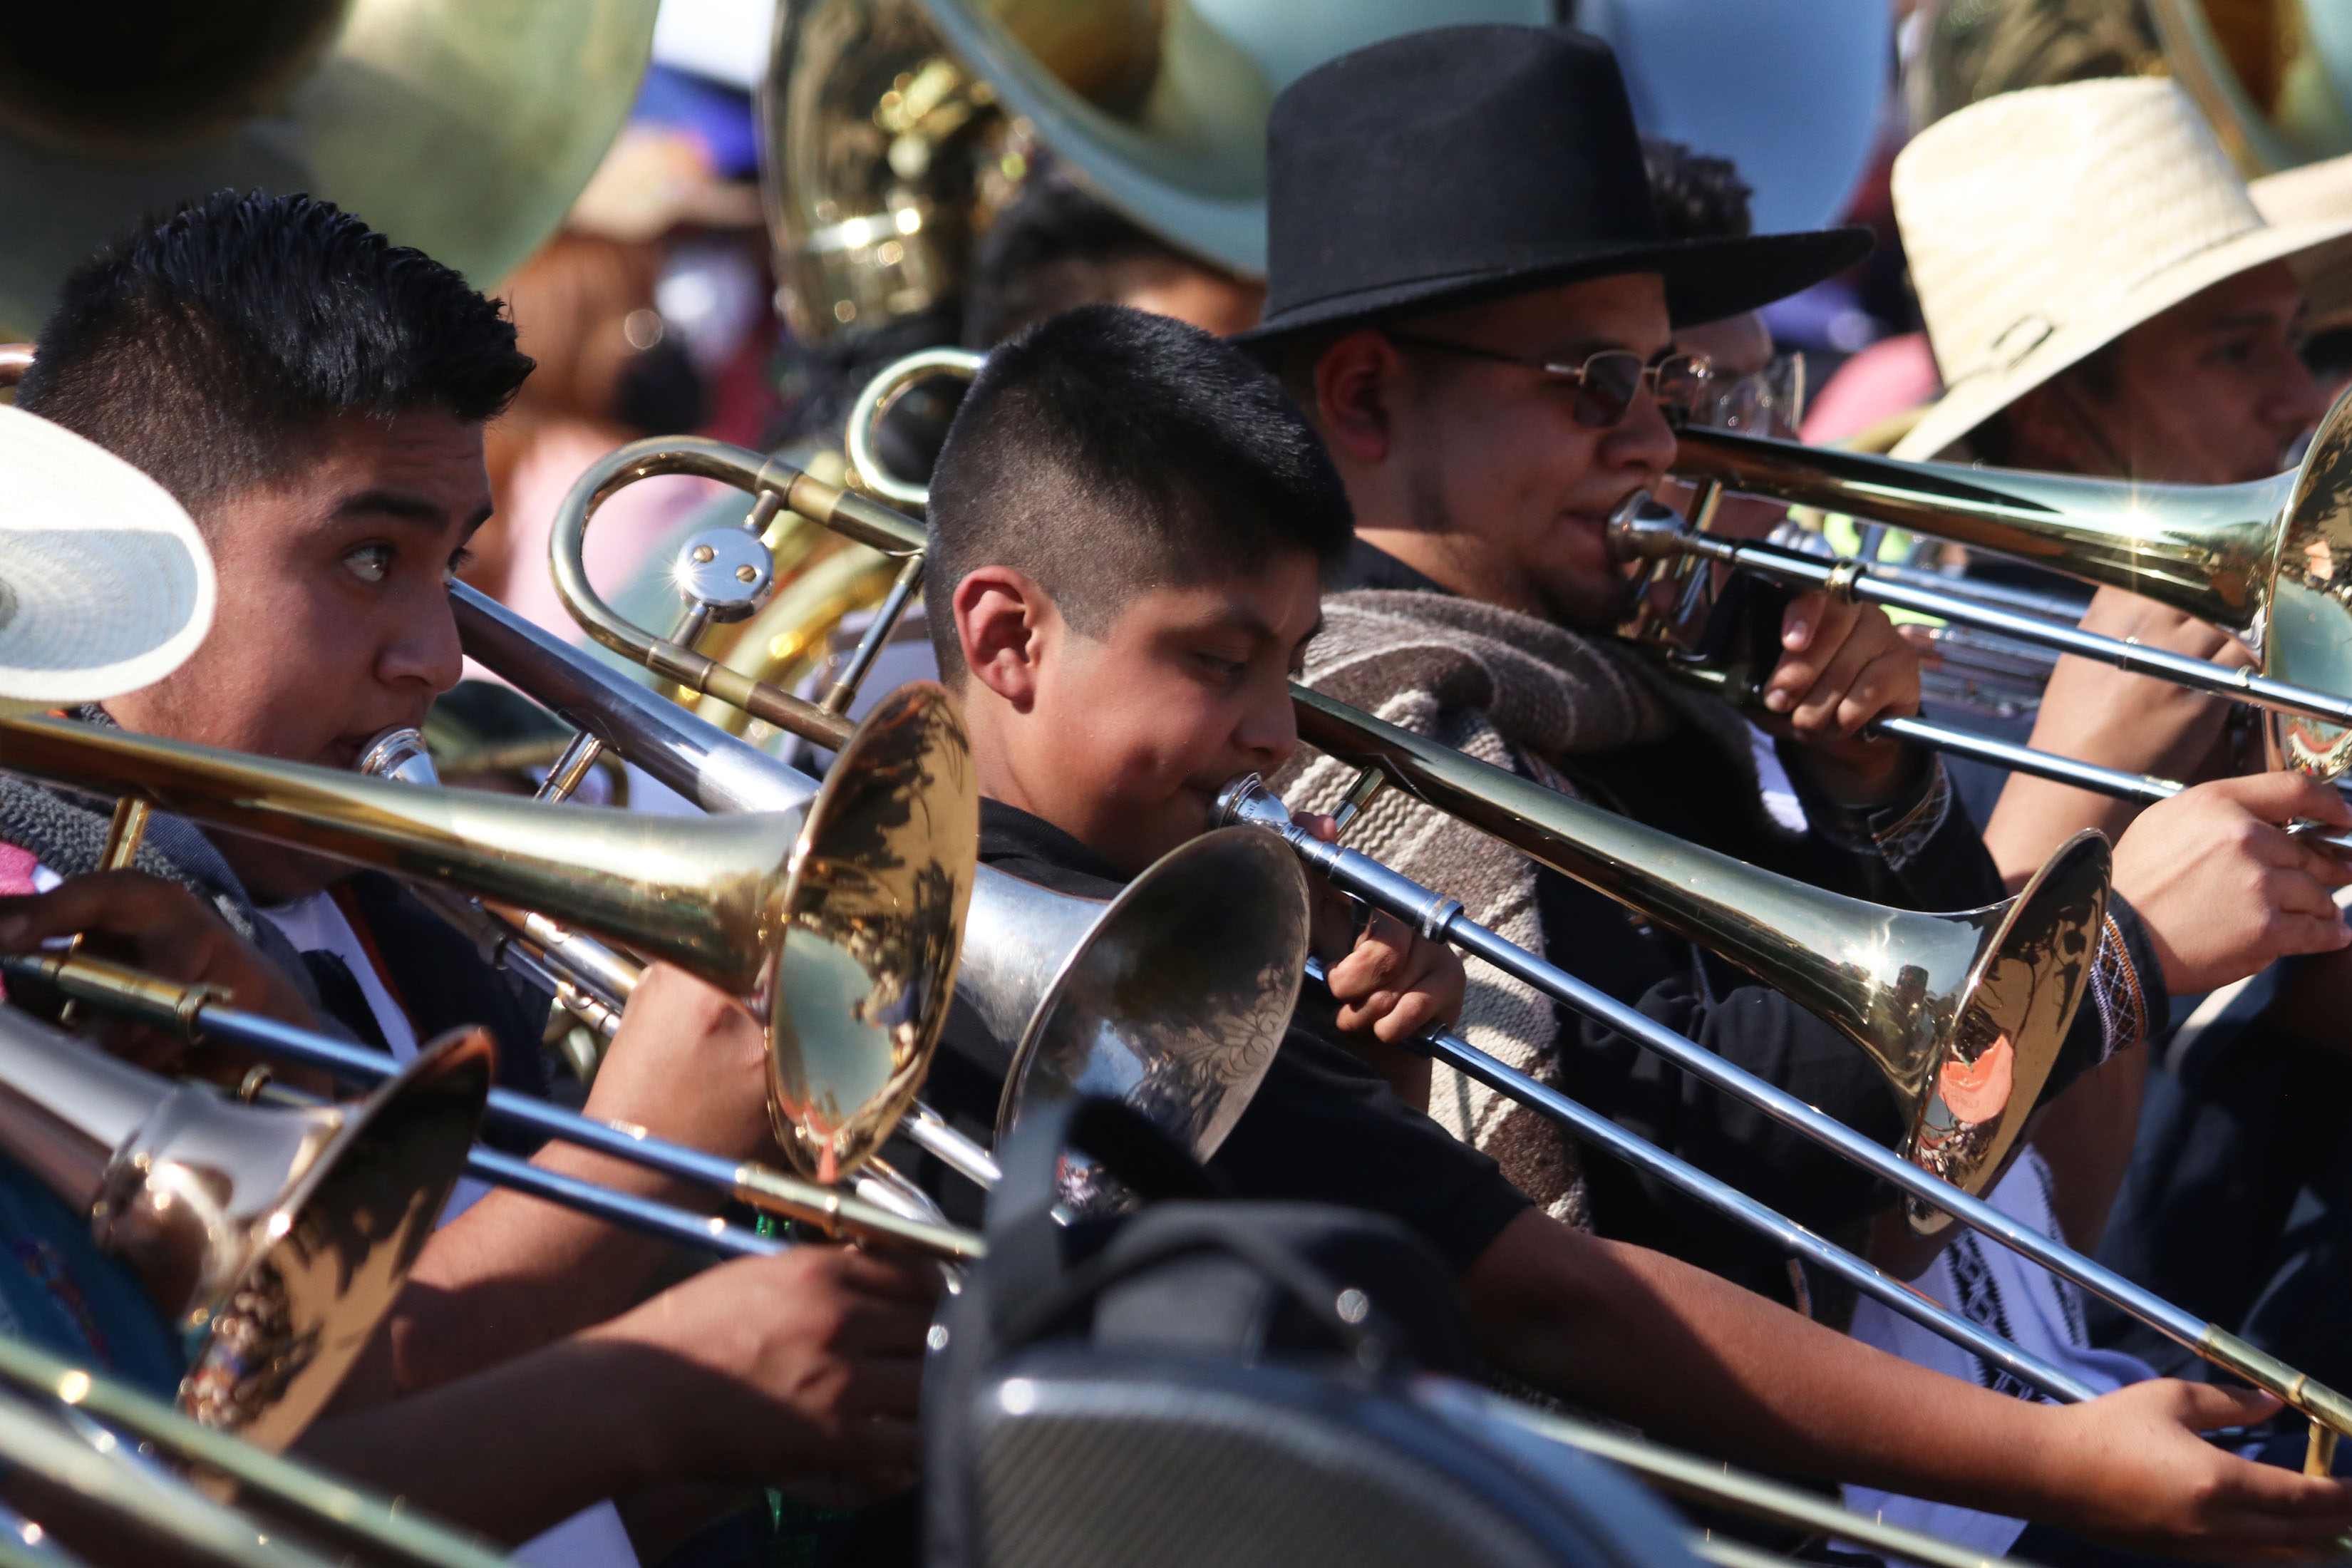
129 904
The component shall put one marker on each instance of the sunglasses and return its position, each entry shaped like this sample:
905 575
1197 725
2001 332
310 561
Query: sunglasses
1606 383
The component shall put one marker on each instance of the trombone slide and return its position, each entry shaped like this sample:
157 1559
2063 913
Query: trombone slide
1441 918
1593 1129
195 1014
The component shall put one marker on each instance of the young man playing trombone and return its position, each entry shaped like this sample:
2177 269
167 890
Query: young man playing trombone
315 397
2109 206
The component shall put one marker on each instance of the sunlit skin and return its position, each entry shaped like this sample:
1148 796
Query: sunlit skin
1478 474
2211 392
1213 301
333 622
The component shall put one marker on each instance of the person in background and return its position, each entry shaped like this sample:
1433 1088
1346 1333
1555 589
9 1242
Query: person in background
610 371
1058 246
316 397
2104 299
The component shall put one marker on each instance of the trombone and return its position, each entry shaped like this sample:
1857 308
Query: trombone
59 1425
1247 800
1079 987
198 1014
275 1239
728 774
2269 561
842 924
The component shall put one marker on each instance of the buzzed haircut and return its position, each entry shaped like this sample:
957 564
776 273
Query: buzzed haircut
1105 453
205 348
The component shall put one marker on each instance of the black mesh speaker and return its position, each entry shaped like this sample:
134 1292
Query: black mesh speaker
1099 1459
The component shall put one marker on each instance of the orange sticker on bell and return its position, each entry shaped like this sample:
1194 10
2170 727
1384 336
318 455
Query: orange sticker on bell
1978 1090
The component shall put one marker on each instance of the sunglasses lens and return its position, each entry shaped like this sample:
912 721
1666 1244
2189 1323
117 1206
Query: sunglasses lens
1682 381
1611 380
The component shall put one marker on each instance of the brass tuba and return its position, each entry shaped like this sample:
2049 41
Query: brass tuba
464 128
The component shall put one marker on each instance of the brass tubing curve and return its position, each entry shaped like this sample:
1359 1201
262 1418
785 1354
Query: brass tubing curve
852 516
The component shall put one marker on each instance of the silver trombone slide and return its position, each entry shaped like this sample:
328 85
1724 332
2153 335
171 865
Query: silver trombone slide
1598 1131
2144 789
1441 918
194 1013
1642 529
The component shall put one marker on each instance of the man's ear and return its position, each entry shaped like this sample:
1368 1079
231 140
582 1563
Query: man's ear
1003 621
1355 383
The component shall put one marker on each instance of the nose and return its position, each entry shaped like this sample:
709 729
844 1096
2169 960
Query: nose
1268 730
1642 440
422 647
2296 400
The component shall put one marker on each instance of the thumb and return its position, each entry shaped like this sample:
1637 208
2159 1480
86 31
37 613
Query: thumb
2203 1407
2279 798
1317 826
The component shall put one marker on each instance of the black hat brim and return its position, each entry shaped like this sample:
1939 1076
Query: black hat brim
1706 279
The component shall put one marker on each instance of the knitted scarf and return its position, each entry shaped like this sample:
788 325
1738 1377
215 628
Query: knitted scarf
1522 694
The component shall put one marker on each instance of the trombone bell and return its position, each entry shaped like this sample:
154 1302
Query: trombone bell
1171 997
1964 1014
274 1238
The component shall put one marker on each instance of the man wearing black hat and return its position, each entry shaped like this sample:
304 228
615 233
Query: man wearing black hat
1483 334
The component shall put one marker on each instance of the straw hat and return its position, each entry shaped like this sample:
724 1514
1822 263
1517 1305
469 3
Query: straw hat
2042 225
104 586
2315 193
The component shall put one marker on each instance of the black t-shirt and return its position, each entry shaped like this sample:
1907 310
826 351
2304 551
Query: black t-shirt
1322 1128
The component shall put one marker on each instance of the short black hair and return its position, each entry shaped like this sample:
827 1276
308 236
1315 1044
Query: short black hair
1107 452
1054 247
1698 197
203 348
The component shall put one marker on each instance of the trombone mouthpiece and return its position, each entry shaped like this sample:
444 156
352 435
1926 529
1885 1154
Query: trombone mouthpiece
1643 528
1247 803
398 754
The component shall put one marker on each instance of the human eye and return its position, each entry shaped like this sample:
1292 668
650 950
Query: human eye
459 559
2234 352
1225 670
369 563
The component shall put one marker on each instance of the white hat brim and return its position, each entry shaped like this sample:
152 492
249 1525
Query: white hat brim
1963 407
105 586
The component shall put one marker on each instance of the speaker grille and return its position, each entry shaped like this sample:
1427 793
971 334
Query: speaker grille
1078 1474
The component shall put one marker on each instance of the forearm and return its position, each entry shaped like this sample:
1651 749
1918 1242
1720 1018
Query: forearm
2085 1137
2033 816
514 1273
1698 1361
509 1452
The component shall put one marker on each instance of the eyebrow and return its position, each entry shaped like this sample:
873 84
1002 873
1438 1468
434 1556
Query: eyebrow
2238 320
401 506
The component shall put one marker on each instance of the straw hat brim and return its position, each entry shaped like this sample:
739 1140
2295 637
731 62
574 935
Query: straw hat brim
1969 403
105 586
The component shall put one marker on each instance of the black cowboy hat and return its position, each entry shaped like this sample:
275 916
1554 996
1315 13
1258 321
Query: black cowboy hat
1469 164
